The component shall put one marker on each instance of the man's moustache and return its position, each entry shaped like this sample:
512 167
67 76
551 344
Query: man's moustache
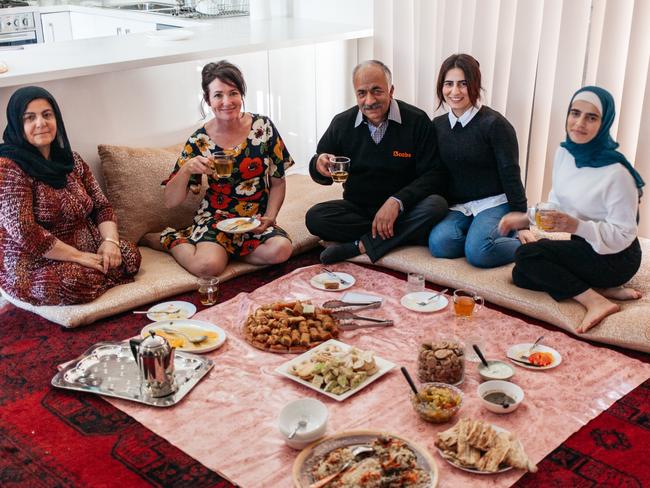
374 106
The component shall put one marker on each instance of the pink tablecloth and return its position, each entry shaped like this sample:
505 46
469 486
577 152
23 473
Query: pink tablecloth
229 421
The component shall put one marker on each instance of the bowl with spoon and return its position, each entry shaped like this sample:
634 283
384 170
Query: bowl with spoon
302 422
500 396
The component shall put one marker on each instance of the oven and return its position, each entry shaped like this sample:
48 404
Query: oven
20 28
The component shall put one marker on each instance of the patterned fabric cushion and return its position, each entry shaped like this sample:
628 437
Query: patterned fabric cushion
628 328
133 177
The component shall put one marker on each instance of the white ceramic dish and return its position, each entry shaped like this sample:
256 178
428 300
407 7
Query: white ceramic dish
238 225
192 328
472 470
411 300
319 280
356 297
284 369
496 370
185 311
170 35
513 391
305 460
313 411
520 351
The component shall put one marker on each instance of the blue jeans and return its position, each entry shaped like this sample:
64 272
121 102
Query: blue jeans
475 237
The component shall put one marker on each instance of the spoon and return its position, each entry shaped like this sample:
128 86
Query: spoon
176 310
357 451
302 423
478 352
194 340
530 351
409 379
426 302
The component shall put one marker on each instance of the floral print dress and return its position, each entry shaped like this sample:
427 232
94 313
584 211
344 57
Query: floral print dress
244 194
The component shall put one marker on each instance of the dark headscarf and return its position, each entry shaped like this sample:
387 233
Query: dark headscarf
54 171
601 150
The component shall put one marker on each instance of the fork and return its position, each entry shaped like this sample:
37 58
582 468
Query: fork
530 351
426 302
343 281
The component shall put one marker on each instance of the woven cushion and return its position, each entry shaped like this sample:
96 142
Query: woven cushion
133 177
160 276
628 328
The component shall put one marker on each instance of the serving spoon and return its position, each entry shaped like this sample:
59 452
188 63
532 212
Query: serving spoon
357 452
176 310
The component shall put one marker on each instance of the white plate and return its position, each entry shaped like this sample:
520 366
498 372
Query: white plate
472 470
519 350
411 300
170 35
185 311
242 224
319 280
284 369
192 328
355 297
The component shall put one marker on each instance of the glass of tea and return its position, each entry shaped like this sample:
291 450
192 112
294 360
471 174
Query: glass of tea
221 164
466 302
339 167
542 219
208 289
414 282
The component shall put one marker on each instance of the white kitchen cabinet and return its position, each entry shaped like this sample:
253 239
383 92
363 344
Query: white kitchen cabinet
85 26
57 27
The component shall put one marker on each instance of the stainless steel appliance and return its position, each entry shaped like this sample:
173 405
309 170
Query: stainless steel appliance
17 29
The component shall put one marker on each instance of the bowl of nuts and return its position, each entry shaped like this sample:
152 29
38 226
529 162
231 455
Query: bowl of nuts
437 402
442 361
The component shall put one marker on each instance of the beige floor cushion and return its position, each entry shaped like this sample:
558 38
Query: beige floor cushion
161 277
628 328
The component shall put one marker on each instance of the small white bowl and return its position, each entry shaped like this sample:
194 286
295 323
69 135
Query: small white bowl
496 370
510 389
313 411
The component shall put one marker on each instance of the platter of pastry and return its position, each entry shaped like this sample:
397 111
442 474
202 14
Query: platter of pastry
289 327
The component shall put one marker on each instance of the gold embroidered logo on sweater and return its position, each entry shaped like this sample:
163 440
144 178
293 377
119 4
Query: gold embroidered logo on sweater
397 154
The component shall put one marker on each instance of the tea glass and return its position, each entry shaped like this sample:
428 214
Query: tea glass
466 302
339 167
542 220
208 289
221 164
414 282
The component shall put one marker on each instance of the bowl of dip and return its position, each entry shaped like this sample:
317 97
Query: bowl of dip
496 370
500 396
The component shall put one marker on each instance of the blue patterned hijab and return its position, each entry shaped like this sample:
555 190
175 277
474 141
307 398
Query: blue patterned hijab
53 171
601 150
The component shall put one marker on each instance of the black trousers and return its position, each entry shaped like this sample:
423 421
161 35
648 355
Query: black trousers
344 221
564 269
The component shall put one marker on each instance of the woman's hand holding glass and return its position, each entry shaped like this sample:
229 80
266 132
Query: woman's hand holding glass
198 165
556 221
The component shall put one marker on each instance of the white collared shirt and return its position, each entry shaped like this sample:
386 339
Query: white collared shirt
393 114
466 117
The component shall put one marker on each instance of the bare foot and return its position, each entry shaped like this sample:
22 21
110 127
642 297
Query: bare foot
598 307
620 293
152 240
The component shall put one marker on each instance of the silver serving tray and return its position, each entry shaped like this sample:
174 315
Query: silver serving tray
109 368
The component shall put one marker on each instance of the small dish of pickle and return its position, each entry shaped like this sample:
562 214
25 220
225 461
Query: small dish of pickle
437 402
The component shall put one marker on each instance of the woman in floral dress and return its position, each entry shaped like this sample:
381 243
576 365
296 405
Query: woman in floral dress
256 187
59 243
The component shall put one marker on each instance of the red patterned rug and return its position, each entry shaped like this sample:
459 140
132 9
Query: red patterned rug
55 438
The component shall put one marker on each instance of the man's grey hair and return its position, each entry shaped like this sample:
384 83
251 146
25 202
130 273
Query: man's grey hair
378 64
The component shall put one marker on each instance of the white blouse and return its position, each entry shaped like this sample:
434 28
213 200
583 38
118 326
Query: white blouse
605 201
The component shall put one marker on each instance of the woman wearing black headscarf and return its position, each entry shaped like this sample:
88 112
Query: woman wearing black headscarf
59 242
597 191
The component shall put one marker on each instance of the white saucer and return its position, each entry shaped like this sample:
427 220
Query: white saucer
186 310
411 300
518 350
192 328
319 280
241 223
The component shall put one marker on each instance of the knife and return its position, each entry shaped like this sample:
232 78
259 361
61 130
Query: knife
336 277
527 363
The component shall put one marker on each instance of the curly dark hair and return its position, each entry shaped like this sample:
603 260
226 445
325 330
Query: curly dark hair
470 67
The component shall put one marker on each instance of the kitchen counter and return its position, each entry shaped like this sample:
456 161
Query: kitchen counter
206 38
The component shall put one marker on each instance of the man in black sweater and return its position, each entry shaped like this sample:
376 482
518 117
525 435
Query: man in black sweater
388 198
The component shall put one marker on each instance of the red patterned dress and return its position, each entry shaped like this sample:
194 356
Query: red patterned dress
33 215
246 193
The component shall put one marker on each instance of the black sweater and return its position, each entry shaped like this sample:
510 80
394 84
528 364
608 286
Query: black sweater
482 159
401 165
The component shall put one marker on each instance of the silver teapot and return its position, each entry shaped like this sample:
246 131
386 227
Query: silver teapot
155 359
